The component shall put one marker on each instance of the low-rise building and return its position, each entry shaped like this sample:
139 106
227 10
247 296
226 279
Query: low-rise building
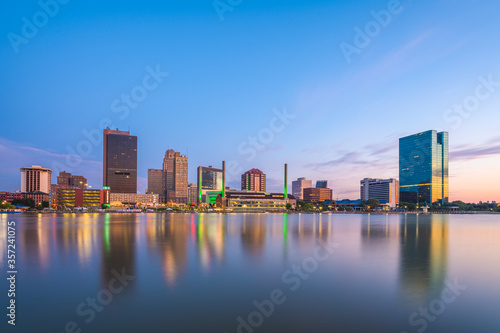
80 198
317 194
254 200
134 199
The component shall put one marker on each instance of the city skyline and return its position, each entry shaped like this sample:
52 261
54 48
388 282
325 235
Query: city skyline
282 92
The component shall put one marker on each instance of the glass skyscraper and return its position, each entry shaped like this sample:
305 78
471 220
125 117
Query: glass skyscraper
423 168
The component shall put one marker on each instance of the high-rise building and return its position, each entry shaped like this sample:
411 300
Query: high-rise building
35 178
119 161
156 183
384 190
322 184
423 168
317 194
66 178
253 180
175 167
210 184
299 185
192 193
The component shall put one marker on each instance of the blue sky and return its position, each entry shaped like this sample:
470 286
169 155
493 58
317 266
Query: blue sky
228 78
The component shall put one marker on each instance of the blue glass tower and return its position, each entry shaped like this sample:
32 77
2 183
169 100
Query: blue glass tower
423 168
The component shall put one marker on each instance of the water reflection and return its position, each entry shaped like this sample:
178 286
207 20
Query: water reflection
118 247
423 256
169 240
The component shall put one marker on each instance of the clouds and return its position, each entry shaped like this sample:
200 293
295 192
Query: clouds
470 152
17 154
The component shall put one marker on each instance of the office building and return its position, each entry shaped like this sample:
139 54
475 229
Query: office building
384 190
156 183
192 193
82 198
317 194
322 184
255 200
253 180
66 178
35 178
37 196
120 161
423 168
210 184
134 199
175 167
299 185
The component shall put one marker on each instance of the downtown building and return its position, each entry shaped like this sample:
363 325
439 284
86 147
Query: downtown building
156 183
253 180
175 167
133 199
210 184
35 178
192 193
298 187
424 168
317 194
119 161
386 191
66 178
81 198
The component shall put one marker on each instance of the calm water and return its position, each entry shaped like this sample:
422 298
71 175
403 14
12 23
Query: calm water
203 273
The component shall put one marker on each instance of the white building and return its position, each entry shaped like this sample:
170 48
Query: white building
384 190
138 199
298 187
35 178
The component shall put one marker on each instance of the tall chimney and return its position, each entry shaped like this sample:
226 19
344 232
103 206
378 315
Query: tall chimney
223 179
286 182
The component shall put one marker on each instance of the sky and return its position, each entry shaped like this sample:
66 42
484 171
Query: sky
326 86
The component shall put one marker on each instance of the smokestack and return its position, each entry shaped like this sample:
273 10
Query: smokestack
286 182
223 179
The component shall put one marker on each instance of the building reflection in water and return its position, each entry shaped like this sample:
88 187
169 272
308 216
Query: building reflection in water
118 246
34 238
304 233
253 234
3 239
168 238
210 239
423 256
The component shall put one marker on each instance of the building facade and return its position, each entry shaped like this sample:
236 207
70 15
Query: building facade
66 178
322 184
210 180
299 185
119 161
35 178
423 168
384 190
37 196
156 183
134 199
80 198
253 180
254 200
192 193
175 167
317 194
